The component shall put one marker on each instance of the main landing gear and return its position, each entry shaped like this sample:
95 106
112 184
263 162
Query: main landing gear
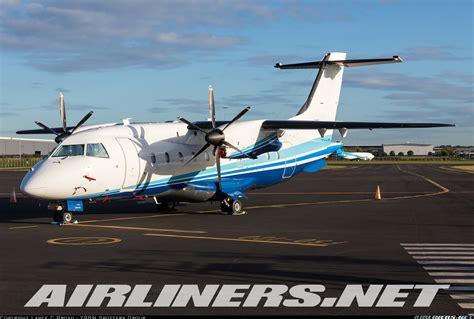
60 214
233 207
165 205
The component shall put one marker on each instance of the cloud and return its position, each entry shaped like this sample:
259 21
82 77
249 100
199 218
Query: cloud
415 97
436 53
412 87
73 107
66 36
269 59
62 90
8 114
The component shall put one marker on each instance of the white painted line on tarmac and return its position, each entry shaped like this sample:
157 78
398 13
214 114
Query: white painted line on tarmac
466 305
444 257
414 249
453 274
454 281
434 244
463 296
455 268
440 252
454 262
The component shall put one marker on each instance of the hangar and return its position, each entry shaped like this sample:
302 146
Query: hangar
408 149
12 146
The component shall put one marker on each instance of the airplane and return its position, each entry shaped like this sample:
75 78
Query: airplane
184 161
365 156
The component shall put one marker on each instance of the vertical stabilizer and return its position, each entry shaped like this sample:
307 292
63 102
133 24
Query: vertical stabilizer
323 98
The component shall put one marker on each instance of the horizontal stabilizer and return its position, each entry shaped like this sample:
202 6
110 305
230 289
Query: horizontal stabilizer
346 63
308 125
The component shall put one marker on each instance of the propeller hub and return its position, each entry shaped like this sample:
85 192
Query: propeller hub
215 137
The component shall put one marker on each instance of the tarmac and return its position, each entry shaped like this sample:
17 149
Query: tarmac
323 228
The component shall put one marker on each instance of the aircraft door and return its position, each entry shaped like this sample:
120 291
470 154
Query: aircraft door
132 164
290 167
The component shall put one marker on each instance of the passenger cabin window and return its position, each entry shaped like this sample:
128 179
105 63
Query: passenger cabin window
167 156
96 150
69 150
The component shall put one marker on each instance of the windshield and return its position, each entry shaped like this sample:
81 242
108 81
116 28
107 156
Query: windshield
69 150
96 150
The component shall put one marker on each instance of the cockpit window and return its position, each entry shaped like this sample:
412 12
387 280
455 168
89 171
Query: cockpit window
96 150
69 150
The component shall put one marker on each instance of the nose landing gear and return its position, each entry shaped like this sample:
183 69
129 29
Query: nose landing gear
60 214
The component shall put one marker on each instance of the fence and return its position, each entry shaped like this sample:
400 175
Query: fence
18 162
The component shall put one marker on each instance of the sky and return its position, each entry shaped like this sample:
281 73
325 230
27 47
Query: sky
153 60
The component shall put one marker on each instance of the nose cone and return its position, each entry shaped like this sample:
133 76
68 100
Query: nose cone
31 186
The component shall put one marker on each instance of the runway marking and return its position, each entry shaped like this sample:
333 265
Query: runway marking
456 268
452 169
467 305
454 274
443 190
139 228
420 249
441 252
444 257
127 218
76 241
461 276
454 262
335 193
463 296
321 243
454 281
435 244
22 227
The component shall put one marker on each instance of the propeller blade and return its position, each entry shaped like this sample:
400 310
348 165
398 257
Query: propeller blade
198 153
62 111
46 128
194 126
218 166
238 116
84 119
232 146
212 107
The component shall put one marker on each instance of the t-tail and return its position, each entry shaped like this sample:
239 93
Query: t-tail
323 99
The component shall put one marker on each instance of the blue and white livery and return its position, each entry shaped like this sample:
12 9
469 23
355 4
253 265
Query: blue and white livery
197 161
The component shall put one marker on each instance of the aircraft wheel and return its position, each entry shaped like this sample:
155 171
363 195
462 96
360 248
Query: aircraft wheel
67 217
166 205
237 207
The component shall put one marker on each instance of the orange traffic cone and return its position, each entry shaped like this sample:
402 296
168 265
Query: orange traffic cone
378 195
13 197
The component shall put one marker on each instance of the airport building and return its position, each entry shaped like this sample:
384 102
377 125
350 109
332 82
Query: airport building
405 148
11 146
409 149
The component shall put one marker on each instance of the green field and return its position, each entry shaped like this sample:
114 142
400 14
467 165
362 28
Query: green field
15 163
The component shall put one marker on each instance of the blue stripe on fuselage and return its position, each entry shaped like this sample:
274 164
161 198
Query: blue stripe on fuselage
258 173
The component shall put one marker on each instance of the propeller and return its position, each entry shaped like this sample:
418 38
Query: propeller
62 111
215 137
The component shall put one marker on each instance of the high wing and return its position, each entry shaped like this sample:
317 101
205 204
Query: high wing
308 125
58 130
314 125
